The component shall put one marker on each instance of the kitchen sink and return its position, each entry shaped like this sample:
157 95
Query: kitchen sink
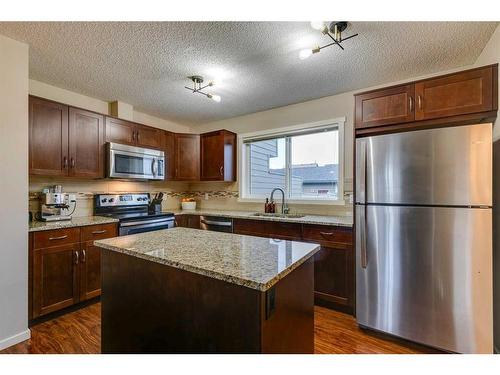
288 216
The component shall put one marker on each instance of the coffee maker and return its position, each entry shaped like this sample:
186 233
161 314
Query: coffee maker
56 204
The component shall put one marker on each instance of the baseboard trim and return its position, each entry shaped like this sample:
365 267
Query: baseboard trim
15 339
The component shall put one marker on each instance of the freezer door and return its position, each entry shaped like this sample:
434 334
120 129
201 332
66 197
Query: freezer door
445 166
425 274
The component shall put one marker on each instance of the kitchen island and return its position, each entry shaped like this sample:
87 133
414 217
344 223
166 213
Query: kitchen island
190 291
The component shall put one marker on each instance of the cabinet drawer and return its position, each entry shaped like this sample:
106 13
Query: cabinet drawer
98 232
56 237
328 235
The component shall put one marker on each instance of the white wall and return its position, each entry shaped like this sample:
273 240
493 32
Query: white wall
13 186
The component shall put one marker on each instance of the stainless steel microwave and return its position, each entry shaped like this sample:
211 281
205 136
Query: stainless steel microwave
132 162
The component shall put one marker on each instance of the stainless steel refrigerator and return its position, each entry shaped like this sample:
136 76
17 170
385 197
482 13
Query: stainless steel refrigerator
424 236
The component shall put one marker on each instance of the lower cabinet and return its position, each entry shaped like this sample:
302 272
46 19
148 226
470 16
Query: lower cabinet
333 265
65 267
188 221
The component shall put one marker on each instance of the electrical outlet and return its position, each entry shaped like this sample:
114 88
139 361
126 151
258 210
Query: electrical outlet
206 196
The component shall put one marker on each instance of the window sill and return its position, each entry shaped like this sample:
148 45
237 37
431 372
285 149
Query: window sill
340 202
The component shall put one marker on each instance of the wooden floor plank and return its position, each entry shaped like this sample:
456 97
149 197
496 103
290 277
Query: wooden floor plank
79 332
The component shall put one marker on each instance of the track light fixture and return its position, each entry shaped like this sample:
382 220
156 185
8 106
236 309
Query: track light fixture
333 30
197 88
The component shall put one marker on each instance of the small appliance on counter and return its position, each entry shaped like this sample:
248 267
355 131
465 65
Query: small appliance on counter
188 204
55 205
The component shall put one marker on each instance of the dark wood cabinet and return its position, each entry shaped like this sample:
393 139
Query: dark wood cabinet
188 221
120 131
149 137
387 106
218 156
90 262
55 276
48 138
333 265
86 143
455 94
131 133
466 97
169 149
65 141
187 157
64 267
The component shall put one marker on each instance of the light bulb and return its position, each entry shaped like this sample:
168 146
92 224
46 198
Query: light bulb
215 98
318 25
305 53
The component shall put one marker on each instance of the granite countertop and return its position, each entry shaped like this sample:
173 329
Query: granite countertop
342 221
36 226
253 262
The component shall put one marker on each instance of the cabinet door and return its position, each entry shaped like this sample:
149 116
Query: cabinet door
193 221
86 143
48 138
120 131
181 221
334 278
90 271
169 149
149 137
384 107
187 157
55 278
212 156
456 94
218 156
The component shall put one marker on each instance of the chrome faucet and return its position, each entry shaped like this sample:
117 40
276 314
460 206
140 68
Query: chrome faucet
284 206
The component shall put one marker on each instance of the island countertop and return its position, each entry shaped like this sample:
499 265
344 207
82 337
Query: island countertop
253 262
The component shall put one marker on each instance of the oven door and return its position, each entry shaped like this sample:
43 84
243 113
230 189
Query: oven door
149 225
135 162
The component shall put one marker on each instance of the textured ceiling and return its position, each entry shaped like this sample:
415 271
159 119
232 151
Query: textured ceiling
255 64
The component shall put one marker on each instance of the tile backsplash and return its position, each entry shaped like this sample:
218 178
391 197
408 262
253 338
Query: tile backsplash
208 195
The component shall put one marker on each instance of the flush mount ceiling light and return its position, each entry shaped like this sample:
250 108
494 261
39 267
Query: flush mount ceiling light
333 30
197 88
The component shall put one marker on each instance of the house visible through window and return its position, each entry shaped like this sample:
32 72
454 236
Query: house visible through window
304 163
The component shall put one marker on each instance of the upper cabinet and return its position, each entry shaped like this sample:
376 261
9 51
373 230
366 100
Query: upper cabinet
382 107
187 157
457 94
218 156
130 133
48 138
69 141
65 141
86 140
467 96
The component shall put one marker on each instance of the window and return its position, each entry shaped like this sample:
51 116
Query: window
306 162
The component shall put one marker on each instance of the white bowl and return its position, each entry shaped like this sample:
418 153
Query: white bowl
188 205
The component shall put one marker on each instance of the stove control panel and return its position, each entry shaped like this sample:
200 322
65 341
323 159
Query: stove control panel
111 200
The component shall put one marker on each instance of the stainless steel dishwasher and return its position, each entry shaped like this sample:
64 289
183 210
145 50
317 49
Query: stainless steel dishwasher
216 223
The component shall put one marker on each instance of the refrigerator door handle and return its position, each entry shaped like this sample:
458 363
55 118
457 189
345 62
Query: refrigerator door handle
362 173
362 235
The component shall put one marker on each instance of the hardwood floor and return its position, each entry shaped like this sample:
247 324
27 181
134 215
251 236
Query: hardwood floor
79 332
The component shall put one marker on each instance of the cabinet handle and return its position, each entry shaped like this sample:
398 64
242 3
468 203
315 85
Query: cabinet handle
137 136
133 135
411 104
65 162
58 238
84 256
77 257
327 234
72 163
419 99
221 170
99 231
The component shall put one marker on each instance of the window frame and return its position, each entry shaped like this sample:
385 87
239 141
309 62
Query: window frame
244 172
